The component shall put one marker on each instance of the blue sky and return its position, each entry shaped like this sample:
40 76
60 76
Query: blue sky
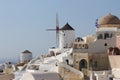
23 23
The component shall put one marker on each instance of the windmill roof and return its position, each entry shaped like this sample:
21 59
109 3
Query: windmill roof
67 27
26 51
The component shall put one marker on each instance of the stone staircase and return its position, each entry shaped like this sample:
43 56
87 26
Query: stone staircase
69 73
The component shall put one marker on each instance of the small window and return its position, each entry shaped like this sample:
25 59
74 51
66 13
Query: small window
67 61
111 35
110 78
100 36
106 35
95 64
86 46
91 62
105 44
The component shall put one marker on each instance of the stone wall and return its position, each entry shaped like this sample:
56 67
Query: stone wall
77 57
102 62
7 76
95 61
91 62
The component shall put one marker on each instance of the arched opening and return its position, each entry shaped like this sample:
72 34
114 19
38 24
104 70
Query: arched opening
52 53
82 64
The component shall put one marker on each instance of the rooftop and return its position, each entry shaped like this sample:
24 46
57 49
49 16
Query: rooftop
67 27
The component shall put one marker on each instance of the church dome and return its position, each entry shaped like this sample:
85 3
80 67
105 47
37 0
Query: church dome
109 19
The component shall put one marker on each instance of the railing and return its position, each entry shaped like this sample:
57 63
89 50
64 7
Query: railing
71 69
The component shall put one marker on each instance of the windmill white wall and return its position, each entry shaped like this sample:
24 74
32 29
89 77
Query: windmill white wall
25 56
66 37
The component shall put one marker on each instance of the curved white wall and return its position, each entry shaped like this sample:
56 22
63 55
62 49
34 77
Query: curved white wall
25 57
67 38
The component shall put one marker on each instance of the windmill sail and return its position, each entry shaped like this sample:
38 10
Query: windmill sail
57 30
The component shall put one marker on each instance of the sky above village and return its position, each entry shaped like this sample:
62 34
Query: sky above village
23 23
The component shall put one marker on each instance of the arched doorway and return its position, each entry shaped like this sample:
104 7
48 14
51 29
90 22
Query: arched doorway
82 64
52 53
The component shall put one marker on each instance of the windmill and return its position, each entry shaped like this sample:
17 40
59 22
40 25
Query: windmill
57 30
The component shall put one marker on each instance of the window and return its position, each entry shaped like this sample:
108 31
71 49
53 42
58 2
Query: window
67 62
80 46
100 36
110 78
106 35
95 64
105 44
91 62
52 53
111 35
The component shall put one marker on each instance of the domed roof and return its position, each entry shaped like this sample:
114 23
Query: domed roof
109 19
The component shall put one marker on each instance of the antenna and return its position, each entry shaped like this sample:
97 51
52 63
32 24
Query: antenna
57 30
57 20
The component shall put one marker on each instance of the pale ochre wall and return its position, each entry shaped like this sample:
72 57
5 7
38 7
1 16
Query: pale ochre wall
114 61
101 58
77 57
90 39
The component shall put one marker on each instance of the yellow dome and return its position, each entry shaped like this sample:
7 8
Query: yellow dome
109 19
